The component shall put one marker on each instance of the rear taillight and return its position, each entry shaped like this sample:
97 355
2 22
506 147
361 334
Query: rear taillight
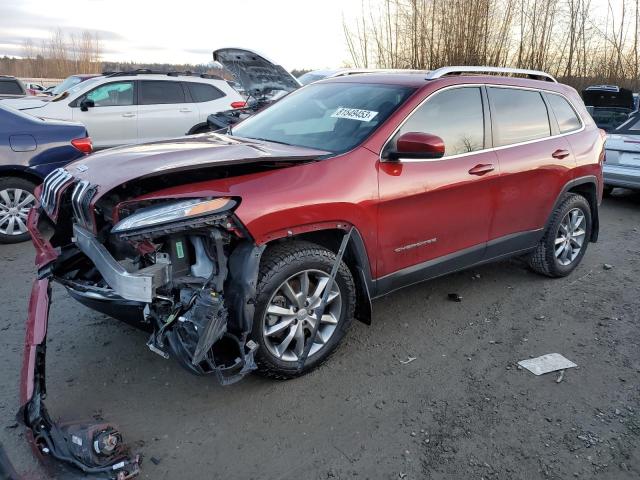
238 104
83 144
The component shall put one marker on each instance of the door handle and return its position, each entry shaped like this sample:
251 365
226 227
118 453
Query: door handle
128 114
481 169
560 154
186 110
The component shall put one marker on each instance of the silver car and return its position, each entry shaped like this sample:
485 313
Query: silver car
622 168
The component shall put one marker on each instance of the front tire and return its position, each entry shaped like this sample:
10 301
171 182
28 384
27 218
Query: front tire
566 238
16 199
291 281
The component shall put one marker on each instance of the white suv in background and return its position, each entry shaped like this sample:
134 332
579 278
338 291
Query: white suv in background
139 106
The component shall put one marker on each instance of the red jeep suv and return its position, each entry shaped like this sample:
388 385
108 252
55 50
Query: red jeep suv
256 248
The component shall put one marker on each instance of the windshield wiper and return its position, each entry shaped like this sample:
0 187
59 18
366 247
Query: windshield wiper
272 141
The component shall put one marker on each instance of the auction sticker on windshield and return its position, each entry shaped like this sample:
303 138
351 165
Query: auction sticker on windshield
354 114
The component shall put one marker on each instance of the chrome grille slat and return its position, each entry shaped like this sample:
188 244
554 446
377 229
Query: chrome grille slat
51 187
80 202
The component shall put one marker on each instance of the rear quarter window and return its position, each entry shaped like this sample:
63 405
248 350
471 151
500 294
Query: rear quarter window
568 120
10 87
203 92
518 115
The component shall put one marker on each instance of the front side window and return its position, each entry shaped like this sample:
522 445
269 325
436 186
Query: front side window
566 116
333 117
518 116
156 92
454 115
112 94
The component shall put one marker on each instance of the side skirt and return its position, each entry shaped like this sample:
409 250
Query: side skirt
498 249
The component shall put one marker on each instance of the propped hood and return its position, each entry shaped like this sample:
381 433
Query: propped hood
603 96
111 168
255 72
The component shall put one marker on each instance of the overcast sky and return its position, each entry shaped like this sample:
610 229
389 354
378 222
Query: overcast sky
295 33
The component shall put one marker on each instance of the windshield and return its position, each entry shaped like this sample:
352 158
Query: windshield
66 84
311 77
334 117
76 88
609 118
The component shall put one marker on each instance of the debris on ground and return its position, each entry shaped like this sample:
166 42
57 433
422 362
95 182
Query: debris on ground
607 266
546 363
560 377
408 360
454 297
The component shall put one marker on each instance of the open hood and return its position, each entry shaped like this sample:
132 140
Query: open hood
254 72
607 96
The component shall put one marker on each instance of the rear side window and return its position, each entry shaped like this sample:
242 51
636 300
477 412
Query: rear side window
566 116
518 115
454 115
203 92
10 87
155 92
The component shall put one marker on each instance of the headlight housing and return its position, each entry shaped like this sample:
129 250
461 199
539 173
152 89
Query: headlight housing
175 216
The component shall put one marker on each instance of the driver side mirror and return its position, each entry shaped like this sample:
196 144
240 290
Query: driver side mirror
417 145
86 104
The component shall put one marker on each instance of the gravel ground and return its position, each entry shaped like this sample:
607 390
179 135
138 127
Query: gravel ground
461 409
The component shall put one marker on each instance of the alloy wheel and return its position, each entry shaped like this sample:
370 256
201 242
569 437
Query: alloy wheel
15 204
291 315
570 237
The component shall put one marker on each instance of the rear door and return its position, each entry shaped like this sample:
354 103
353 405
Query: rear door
164 110
536 162
434 215
113 120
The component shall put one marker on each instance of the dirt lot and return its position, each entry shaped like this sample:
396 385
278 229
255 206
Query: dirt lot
460 410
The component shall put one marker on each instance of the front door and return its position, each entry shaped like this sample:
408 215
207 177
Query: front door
113 119
435 215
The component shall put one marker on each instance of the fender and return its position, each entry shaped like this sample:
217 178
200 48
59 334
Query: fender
595 212
197 127
356 257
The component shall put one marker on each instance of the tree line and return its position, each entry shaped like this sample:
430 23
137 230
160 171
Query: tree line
579 41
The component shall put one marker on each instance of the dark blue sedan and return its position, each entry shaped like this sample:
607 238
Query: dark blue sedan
30 148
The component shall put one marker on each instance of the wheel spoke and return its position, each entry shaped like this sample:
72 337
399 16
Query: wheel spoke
322 284
22 228
328 318
287 340
299 338
4 195
559 240
10 225
27 201
279 311
578 233
278 327
304 284
289 293
17 195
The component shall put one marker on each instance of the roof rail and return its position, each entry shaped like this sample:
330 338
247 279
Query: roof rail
146 71
459 70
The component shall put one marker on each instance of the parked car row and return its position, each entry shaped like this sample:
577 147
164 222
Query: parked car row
615 110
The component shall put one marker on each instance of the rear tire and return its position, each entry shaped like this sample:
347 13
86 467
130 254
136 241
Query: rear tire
16 199
566 238
290 286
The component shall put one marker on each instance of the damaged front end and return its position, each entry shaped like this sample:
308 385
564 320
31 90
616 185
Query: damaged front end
183 269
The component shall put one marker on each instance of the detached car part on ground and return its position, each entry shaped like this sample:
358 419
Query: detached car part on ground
257 250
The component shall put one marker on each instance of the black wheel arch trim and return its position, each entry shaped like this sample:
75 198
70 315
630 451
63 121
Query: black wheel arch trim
593 202
197 127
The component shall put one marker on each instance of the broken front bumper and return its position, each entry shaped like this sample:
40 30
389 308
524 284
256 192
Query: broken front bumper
138 286
93 449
